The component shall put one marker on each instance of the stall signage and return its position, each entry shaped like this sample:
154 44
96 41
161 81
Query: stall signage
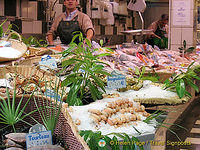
38 139
181 12
51 93
47 62
116 81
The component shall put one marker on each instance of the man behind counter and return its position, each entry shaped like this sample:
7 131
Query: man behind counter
68 22
159 36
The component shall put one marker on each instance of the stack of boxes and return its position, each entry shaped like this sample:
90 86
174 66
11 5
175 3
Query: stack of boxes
123 21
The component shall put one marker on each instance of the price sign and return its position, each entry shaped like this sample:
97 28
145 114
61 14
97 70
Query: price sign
48 61
52 94
38 136
116 81
38 139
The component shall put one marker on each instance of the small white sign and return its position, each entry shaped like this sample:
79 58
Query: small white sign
48 61
116 81
181 12
38 139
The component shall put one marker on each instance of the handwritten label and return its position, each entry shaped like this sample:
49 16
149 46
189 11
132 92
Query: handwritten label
116 81
51 93
38 139
47 62
181 12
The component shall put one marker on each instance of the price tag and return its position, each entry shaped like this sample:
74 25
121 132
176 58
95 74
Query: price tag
38 139
52 94
116 81
48 61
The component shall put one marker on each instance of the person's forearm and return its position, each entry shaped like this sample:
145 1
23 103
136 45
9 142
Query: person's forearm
50 39
89 34
156 36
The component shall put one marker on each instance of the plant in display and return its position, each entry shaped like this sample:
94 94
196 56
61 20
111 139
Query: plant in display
30 41
33 41
10 112
97 141
180 81
1 28
141 75
184 48
157 115
84 81
9 30
50 107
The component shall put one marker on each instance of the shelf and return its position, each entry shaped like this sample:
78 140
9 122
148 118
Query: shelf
120 15
137 32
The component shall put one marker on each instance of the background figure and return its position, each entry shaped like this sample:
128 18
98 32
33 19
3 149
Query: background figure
159 37
70 21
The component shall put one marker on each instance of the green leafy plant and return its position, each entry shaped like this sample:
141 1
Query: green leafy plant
156 116
87 68
184 48
8 31
12 112
49 110
1 28
140 72
179 82
33 41
93 138
30 41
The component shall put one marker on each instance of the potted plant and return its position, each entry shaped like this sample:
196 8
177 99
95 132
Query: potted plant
84 81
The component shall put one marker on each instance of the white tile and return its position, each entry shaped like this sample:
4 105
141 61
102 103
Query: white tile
187 34
24 8
97 30
192 18
1 8
175 47
108 30
129 22
119 29
58 9
175 35
96 13
27 27
192 3
17 8
37 27
32 10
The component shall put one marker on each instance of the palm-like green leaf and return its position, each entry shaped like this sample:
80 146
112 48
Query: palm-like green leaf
180 88
85 67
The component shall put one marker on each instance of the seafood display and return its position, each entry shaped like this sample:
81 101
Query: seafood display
121 107
26 85
112 115
138 55
150 93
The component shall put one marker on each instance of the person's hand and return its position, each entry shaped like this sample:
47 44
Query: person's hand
85 40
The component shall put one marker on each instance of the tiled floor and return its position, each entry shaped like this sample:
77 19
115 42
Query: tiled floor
194 136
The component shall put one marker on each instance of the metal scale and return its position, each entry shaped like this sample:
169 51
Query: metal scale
139 6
